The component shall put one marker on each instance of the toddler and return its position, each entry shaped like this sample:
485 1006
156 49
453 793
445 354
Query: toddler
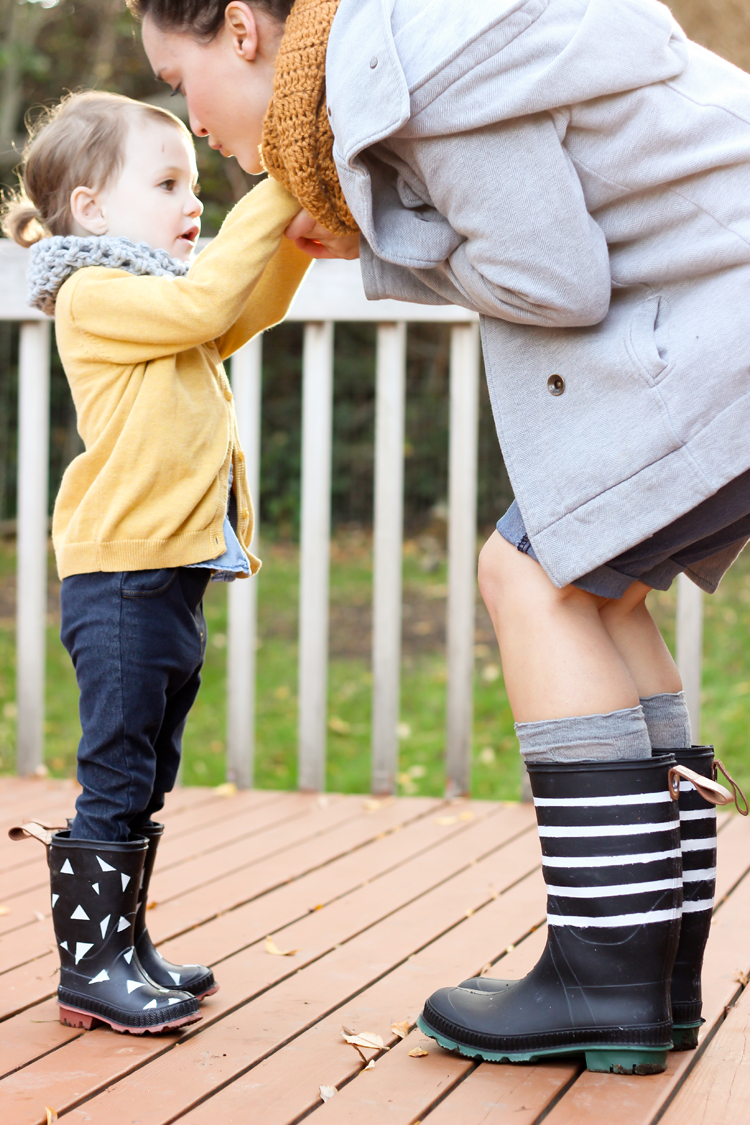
156 504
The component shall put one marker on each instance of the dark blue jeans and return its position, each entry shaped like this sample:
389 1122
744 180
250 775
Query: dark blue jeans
137 641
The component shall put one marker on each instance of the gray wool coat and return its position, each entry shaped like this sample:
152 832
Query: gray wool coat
578 173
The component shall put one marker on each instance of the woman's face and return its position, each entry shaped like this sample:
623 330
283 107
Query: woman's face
228 81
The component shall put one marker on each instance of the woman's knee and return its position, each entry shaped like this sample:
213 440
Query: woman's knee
511 581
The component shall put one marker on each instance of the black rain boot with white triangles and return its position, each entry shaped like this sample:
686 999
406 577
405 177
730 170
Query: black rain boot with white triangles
94 896
611 859
198 980
698 843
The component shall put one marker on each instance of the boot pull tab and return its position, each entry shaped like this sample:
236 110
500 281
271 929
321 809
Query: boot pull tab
719 765
36 829
710 790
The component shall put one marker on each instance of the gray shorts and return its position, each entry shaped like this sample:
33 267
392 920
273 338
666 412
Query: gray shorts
703 543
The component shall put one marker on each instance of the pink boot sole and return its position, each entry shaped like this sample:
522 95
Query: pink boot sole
75 1017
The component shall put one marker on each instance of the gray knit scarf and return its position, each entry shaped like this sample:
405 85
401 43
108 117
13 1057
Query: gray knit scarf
54 259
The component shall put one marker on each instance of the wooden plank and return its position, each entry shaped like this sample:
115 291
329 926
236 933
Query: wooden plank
387 550
176 1079
462 554
28 960
717 1091
31 1035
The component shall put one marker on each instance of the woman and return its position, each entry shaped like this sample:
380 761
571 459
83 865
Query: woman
577 172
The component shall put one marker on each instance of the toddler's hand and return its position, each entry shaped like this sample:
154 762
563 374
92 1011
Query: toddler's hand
315 240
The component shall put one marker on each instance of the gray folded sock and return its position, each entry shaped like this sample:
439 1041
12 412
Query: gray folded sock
618 736
667 720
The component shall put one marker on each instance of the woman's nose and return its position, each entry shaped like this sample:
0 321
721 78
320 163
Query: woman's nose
196 126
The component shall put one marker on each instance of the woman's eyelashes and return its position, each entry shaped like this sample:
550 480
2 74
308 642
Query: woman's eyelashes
168 185
175 91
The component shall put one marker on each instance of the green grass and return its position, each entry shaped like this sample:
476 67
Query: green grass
495 770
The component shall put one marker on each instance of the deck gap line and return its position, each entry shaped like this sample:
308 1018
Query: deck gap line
278 795
727 895
560 1094
285 882
301 1030
25 891
30 961
439 1098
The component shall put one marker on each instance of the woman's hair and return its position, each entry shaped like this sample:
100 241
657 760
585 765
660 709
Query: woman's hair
78 143
203 19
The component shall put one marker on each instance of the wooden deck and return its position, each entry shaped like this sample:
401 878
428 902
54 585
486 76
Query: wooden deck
383 901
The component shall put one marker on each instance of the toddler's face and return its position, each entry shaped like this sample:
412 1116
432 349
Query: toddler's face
153 200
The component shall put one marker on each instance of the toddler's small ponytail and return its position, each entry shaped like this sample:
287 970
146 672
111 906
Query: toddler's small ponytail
21 221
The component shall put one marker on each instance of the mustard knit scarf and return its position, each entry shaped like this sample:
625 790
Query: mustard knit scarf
297 146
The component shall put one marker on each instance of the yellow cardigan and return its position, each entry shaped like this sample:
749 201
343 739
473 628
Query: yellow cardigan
143 359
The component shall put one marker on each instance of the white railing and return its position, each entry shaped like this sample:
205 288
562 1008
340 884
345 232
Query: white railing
332 292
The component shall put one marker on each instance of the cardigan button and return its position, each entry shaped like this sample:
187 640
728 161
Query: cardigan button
245 514
373 63
228 395
241 457
556 385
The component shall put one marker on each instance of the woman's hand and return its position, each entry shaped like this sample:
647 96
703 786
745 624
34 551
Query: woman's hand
315 240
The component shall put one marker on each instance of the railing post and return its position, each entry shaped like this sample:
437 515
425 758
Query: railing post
690 647
31 584
242 603
462 543
315 550
387 553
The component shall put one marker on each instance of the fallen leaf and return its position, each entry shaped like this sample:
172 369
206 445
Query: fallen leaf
272 947
510 949
38 915
401 1029
469 912
444 820
370 1065
327 1092
228 789
742 978
494 891
371 805
485 968
318 906
367 1039
51 1115
417 1053
467 815
152 905
4 910
339 725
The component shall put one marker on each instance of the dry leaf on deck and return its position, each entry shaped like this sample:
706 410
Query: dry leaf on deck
272 947
401 1028
467 815
371 805
368 1039
4 910
152 905
228 789
417 1053
327 1092
38 915
370 1065
445 820
51 1115
742 978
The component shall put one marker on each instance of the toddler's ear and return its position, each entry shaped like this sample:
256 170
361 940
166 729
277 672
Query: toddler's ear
88 212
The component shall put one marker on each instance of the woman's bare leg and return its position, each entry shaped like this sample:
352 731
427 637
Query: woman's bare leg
639 642
559 659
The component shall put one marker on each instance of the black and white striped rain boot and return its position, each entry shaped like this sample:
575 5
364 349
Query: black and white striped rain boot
612 865
198 980
698 844
94 889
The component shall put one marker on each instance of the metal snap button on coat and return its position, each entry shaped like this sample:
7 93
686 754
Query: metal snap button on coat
556 385
373 63
228 395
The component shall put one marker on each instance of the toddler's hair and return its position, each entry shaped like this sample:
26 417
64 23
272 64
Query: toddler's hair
78 143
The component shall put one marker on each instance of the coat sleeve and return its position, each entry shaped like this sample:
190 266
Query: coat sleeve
130 319
506 203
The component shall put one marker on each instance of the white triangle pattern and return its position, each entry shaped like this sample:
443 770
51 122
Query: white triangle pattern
54 900
105 866
80 914
82 948
128 955
66 869
103 925
175 976
122 924
151 1004
125 880
95 887
133 984
174 1000
102 976
64 945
